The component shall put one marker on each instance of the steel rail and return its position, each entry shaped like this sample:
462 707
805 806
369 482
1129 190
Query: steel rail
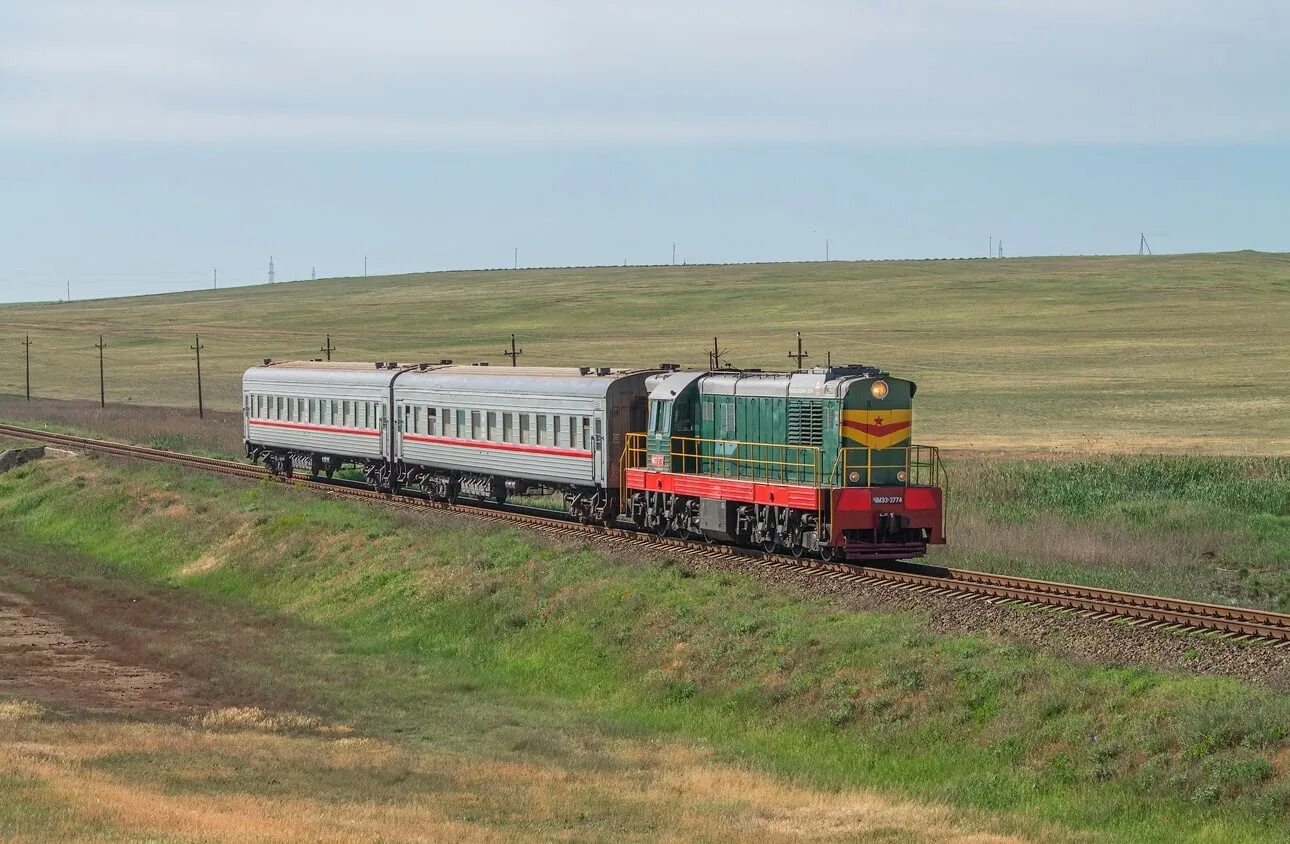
1152 611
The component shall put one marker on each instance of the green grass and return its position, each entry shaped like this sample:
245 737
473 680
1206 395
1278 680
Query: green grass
1173 353
1215 529
765 677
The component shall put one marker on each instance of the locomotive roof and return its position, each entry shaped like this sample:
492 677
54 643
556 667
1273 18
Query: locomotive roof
818 382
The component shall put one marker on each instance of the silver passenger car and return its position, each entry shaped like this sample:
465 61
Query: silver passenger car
478 429
306 408
555 426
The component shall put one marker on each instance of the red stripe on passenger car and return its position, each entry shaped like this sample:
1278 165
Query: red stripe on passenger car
303 426
528 449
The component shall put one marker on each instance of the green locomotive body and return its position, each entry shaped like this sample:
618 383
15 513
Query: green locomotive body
818 460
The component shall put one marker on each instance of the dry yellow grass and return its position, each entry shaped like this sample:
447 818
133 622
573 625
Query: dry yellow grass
1174 353
661 792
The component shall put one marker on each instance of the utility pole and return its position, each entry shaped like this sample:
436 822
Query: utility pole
828 358
990 253
328 349
270 269
364 266
102 390
1144 248
313 273
215 279
27 343
1000 247
800 354
197 347
826 249
514 353
516 265
69 291
715 356
674 253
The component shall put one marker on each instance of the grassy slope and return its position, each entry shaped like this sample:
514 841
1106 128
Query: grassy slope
1204 528
786 685
1170 352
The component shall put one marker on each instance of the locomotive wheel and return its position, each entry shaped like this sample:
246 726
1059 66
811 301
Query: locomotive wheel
798 550
769 545
831 554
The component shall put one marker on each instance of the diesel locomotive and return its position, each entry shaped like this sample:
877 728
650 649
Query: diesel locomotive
817 461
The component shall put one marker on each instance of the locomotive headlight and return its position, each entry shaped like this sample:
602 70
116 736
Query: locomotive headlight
900 476
879 389
854 477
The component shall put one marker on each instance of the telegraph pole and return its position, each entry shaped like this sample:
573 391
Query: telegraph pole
514 353
364 266
715 356
270 269
328 349
516 265
826 249
215 279
674 253
102 389
197 347
801 353
27 344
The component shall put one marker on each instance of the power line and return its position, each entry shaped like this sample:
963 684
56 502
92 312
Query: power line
27 344
197 347
514 353
715 356
102 389
801 353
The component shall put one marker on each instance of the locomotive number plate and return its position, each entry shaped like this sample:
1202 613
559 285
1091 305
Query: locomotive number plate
889 499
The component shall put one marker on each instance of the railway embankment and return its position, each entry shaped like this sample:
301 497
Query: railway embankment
811 686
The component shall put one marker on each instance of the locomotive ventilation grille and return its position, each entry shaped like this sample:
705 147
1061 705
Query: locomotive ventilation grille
805 423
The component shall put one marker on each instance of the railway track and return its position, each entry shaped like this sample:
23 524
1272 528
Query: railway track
1149 611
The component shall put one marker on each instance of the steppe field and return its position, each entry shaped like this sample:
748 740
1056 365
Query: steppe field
186 657
1182 354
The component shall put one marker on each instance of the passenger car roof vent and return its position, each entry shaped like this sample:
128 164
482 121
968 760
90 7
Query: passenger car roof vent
669 367
603 370
584 370
380 364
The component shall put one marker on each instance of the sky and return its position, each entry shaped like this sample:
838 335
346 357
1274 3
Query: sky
144 145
